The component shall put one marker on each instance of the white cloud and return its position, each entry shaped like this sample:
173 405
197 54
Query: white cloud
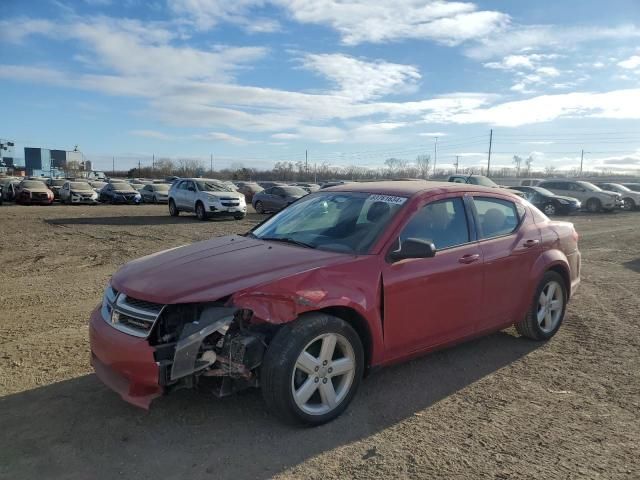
630 63
518 38
616 104
208 13
222 137
358 79
433 134
360 21
285 136
548 71
511 62
151 134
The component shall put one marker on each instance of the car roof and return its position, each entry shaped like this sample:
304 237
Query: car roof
409 188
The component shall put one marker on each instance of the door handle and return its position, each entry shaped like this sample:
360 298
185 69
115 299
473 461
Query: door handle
469 258
530 243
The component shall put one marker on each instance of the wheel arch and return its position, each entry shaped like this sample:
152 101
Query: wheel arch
563 271
359 324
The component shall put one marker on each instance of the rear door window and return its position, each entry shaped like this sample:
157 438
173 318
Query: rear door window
496 217
443 222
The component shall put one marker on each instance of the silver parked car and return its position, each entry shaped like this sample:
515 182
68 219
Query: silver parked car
156 193
593 198
205 197
276 198
630 198
78 192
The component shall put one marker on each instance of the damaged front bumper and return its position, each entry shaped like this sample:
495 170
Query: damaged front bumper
124 363
212 351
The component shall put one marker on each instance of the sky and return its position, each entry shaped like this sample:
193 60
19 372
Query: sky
346 82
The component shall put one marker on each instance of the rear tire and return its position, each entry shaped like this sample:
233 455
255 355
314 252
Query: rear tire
173 210
629 204
594 205
259 207
200 212
312 369
547 309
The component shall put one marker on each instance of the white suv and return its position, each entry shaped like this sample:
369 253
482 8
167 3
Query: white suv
205 197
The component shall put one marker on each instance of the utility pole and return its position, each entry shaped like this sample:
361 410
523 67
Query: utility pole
211 161
113 166
435 156
581 160
138 167
489 159
153 164
306 163
457 162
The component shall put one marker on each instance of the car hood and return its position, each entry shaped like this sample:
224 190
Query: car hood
569 199
36 190
213 269
224 194
125 191
611 194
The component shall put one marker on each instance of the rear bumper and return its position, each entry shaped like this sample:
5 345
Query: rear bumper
124 363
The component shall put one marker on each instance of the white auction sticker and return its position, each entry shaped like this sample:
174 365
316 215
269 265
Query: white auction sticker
387 199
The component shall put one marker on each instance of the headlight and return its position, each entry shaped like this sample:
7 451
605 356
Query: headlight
138 196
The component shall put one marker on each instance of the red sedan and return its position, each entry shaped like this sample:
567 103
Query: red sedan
343 280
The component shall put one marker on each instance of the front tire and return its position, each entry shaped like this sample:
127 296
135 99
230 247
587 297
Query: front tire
200 212
312 369
594 205
173 210
629 204
547 309
259 207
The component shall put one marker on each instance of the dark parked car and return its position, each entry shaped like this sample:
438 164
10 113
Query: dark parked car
632 186
119 192
342 281
473 180
276 198
266 185
249 189
549 202
55 184
156 193
309 187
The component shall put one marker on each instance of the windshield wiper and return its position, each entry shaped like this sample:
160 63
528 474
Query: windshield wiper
287 240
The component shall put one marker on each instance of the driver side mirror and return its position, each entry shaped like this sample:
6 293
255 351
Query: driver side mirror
413 248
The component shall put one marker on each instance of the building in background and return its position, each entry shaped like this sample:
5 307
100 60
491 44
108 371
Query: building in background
42 162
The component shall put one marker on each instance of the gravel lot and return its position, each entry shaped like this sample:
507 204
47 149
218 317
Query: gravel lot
497 407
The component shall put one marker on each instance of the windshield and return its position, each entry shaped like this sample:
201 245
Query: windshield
98 184
544 191
348 222
79 186
213 187
123 187
33 184
483 181
294 191
161 188
618 187
58 183
589 186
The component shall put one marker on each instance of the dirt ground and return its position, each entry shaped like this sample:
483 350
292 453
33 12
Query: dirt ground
497 407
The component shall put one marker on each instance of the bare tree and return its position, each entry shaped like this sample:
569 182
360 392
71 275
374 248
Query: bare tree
528 163
423 163
517 161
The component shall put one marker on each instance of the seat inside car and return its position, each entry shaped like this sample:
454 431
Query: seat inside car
493 222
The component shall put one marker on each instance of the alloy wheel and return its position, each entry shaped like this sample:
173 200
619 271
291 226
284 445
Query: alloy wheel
323 374
550 306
